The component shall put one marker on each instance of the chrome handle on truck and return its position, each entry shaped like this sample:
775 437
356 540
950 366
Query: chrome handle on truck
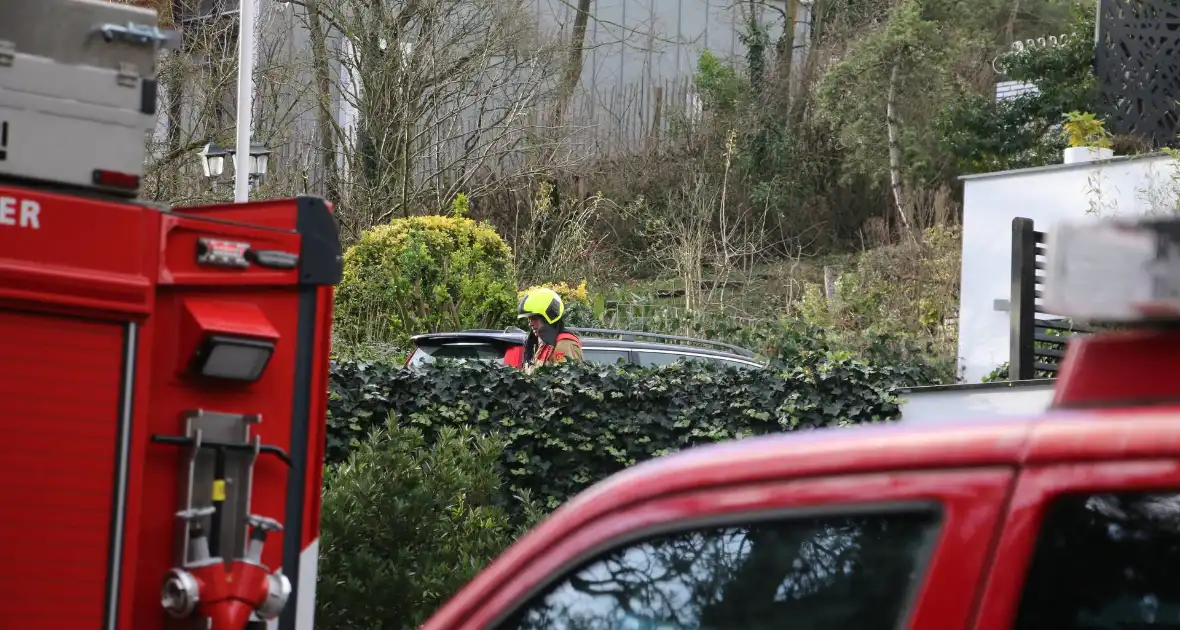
139 35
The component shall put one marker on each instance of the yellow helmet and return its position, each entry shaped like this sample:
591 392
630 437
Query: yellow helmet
545 303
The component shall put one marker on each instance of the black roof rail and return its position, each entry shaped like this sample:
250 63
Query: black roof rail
630 335
510 329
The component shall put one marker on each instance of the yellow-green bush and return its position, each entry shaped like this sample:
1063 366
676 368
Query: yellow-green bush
569 295
424 274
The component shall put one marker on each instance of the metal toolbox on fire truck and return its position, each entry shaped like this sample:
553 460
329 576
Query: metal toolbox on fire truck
77 91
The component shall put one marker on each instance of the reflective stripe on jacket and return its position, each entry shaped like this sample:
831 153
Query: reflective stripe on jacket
568 346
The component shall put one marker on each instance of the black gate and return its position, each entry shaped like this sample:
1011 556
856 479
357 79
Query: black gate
1037 339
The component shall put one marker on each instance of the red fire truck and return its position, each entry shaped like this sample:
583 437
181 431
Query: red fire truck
163 372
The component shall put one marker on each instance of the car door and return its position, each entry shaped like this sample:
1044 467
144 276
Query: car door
1092 537
855 552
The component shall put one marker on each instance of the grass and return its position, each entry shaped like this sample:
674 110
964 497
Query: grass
767 291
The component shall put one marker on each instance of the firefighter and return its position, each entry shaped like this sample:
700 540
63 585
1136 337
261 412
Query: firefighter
548 341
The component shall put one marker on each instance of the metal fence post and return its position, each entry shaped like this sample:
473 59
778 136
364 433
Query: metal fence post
1022 305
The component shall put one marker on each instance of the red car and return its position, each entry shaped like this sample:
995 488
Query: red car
1069 520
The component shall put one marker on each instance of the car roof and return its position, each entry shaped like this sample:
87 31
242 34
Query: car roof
1056 436
440 338
514 337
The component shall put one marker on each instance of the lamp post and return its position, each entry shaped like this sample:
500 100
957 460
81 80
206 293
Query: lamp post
245 93
255 168
213 162
257 162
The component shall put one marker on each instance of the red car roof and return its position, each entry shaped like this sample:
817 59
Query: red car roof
857 449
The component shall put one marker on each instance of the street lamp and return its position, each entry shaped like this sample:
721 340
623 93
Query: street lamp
213 160
257 161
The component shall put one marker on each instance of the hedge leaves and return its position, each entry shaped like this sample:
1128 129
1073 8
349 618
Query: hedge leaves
406 524
567 427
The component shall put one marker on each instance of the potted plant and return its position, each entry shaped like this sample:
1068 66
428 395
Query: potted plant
1088 138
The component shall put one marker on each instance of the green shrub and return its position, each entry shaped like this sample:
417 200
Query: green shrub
908 293
906 288
921 361
406 524
423 274
982 134
1002 372
571 425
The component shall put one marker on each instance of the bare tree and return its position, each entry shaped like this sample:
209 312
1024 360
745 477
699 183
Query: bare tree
387 108
442 97
196 105
324 89
575 55
699 228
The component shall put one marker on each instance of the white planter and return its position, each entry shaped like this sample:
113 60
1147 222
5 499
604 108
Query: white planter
1076 155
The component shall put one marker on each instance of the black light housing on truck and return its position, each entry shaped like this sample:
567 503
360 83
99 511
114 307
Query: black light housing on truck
232 358
225 340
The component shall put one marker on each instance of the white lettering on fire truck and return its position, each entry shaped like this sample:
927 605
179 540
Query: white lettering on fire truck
24 213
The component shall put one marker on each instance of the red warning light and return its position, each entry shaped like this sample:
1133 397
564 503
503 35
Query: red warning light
115 179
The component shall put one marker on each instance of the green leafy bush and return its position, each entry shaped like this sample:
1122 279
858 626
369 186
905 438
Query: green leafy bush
1002 372
719 84
982 134
571 425
907 293
423 274
406 524
904 288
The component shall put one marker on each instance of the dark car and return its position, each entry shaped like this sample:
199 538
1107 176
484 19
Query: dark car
598 346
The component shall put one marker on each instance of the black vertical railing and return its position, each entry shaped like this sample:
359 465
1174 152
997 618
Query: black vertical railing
1022 305
1036 343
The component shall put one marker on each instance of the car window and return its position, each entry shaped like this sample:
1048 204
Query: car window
737 364
822 573
466 350
651 359
1105 561
604 355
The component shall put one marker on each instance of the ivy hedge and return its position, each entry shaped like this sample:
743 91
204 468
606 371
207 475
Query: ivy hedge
569 426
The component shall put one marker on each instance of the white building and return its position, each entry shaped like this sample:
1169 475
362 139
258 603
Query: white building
1047 195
